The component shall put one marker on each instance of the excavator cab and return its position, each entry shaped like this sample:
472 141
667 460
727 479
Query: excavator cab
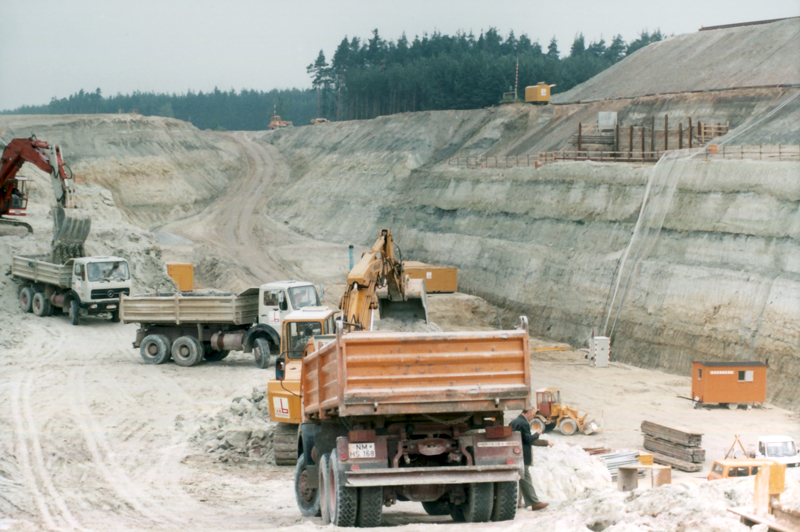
17 200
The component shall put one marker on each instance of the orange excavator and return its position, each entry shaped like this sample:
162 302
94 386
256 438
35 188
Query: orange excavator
71 226
378 282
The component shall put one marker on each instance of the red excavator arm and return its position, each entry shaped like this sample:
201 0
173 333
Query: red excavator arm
71 227
39 153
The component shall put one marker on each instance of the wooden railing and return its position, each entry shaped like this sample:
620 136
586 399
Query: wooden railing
780 152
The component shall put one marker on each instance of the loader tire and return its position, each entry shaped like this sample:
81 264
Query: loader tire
505 501
480 499
344 500
567 426
370 504
155 349
538 423
261 353
41 305
187 351
26 298
284 444
307 498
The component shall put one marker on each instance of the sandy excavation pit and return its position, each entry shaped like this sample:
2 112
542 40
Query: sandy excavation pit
92 438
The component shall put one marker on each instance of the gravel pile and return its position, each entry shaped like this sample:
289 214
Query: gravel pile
241 431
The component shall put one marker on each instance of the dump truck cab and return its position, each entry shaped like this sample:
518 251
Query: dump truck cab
780 448
279 299
283 393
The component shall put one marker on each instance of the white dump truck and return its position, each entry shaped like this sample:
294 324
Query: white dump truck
190 328
80 287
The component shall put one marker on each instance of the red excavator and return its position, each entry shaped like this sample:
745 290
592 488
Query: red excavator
71 227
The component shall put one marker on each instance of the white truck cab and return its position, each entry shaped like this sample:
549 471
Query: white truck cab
81 286
280 298
780 448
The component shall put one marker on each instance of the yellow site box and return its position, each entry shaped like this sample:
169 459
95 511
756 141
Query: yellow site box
437 278
182 274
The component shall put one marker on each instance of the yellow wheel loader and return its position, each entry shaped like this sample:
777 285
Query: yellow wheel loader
553 414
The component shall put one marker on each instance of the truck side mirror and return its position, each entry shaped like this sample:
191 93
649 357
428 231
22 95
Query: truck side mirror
280 369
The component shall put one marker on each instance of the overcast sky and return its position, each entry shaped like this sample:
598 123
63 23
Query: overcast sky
57 47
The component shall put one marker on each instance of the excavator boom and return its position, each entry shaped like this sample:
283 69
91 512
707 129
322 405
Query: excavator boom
71 227
378 282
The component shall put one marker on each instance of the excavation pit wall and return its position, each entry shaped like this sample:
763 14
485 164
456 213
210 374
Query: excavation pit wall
720 281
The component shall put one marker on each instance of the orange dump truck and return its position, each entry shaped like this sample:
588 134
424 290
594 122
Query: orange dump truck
411 416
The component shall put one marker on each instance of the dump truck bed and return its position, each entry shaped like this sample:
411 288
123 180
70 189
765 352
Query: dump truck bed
385 373
42 271
234 309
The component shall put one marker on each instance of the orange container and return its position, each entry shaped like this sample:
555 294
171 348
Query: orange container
182 274
437 279
729 382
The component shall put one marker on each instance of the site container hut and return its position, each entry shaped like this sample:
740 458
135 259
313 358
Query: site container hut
729 383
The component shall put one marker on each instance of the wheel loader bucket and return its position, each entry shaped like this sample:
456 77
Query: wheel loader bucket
589 428
70 230
414 307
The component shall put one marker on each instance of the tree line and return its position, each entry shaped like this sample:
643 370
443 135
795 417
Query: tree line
365 79
374 77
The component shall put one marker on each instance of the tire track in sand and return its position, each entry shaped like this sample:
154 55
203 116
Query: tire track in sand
103 455
30 447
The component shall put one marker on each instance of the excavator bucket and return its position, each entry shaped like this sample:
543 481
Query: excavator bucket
413 307
70 229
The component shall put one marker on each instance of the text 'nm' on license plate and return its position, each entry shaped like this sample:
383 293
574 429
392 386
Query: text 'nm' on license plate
362 450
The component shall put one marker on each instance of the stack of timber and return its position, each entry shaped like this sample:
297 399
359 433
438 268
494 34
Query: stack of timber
674 447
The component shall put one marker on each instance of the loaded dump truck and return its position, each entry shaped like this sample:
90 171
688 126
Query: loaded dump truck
190 328
394 416
80 287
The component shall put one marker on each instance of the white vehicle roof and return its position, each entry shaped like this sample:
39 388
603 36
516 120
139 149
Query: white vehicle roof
285 284
775 438
310 313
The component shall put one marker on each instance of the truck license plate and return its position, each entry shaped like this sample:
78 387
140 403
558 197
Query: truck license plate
362 450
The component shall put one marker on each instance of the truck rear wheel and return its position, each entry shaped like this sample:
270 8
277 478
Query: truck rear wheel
307 497
284 444
480 498
41 305
370 504
155 349
505 501
324 483
261 353
26 298
74 312
216 356
567 426
344 500
187 351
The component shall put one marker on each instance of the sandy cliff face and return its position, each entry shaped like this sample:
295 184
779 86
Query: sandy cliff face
719 281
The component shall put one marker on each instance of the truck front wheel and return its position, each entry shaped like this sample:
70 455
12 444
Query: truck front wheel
261 353
74 312
26 298
187 351
155 349
307 497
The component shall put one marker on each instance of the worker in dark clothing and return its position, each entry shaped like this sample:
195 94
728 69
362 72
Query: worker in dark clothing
522 424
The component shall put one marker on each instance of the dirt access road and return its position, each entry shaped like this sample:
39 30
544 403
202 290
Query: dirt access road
91 438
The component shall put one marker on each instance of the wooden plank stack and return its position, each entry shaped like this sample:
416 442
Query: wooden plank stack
673 447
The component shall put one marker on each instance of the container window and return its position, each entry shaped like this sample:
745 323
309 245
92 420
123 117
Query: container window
717 469
699 373
745 376
740 472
